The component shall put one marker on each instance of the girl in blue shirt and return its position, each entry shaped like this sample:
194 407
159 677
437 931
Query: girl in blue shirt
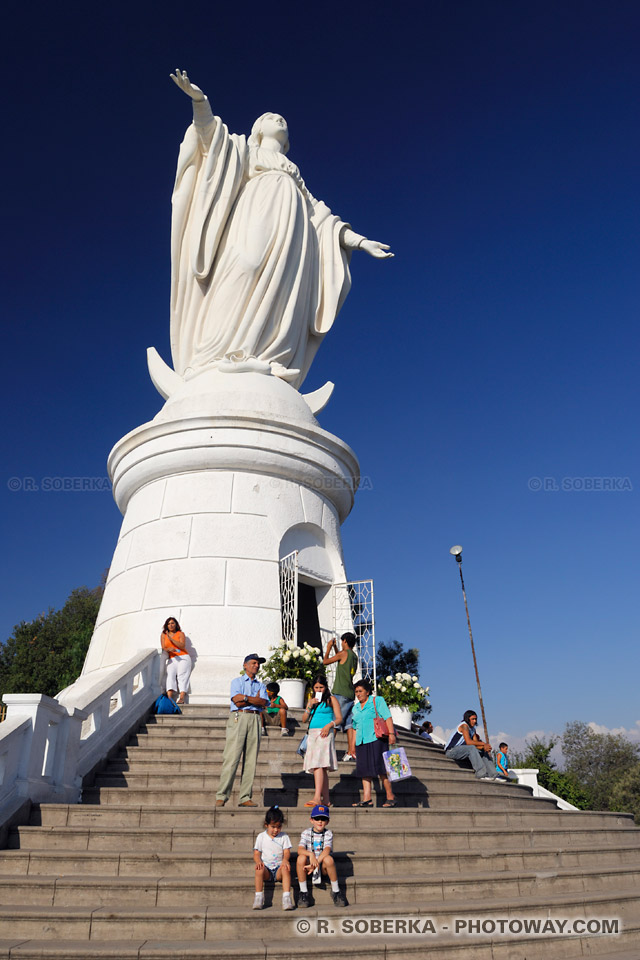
324 715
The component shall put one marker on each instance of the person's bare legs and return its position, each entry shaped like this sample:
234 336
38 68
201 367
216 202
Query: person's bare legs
301 863
366 788
260 874
325 787
284 874
318 778
388 789
329 867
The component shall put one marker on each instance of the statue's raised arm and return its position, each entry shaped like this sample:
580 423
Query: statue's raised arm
181 80
260 269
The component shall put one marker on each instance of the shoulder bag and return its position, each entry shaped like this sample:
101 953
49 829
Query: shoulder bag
302 746
379 725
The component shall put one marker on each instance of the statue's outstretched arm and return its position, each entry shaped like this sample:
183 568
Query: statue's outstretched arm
181 80
355 241
202 115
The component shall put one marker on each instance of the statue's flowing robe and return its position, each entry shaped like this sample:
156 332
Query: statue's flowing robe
257 265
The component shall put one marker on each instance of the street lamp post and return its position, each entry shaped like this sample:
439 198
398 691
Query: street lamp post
457 553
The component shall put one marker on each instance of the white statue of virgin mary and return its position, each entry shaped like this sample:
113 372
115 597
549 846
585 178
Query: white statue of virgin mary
260 268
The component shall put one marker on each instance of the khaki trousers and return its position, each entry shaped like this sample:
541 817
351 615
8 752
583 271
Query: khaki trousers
243 741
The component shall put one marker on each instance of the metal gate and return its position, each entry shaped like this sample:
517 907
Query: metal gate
289 597
353 613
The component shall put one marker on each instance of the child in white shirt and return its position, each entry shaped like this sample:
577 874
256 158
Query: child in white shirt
271 852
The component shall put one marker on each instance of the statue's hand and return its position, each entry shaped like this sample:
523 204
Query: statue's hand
374 249
181 80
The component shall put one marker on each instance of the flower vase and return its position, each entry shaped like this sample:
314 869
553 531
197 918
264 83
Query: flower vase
401 717
292 692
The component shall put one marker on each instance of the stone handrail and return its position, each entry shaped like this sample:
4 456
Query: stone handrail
47 745
529 777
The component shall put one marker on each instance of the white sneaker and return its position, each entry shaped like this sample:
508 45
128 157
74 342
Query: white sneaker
287 902
348 758
284 732
490 779
258 901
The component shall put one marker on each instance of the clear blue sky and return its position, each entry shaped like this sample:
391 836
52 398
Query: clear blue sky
495 146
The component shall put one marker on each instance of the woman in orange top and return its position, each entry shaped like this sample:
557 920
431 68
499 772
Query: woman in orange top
179 663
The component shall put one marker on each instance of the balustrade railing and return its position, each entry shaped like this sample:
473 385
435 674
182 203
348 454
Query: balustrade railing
47 745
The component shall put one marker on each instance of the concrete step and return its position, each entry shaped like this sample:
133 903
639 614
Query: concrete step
214 740
217 727
444 947
458 818
178 758
159 838
237 888
135 759
223 922
297 789
277 765
28 862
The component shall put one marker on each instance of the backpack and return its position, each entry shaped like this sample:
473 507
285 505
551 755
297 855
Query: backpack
165 704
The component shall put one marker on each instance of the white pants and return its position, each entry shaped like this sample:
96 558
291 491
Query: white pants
178 672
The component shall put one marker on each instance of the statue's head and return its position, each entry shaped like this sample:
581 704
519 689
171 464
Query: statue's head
270 125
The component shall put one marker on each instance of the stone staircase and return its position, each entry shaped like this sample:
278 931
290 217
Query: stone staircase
147 867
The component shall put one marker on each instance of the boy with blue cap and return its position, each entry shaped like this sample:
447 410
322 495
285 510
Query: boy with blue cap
314 856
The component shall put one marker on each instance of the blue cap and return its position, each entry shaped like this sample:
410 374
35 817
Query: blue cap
254 656
320 811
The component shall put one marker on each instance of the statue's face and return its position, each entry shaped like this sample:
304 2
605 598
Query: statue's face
275 126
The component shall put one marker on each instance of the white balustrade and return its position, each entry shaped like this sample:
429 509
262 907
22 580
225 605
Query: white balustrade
47 745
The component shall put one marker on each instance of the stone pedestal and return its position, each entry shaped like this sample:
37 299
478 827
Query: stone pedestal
233 474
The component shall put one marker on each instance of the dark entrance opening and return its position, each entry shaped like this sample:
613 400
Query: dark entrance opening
308 623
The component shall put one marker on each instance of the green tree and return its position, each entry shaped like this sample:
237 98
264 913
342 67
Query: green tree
392 657
45 655
597 760
625 795
563 784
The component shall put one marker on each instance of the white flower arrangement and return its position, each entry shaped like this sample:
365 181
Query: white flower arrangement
403 690
289 661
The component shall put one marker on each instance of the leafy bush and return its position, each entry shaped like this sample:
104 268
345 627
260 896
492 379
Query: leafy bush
564 784
598 761
625 795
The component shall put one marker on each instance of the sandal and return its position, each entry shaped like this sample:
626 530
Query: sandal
363 803
390 803
312 803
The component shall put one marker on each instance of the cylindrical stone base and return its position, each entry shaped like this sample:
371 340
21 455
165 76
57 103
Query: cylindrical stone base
211 504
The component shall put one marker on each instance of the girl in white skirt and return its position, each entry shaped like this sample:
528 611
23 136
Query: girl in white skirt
324 715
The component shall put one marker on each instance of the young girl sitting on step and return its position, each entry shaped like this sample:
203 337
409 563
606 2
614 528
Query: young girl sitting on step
271 853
